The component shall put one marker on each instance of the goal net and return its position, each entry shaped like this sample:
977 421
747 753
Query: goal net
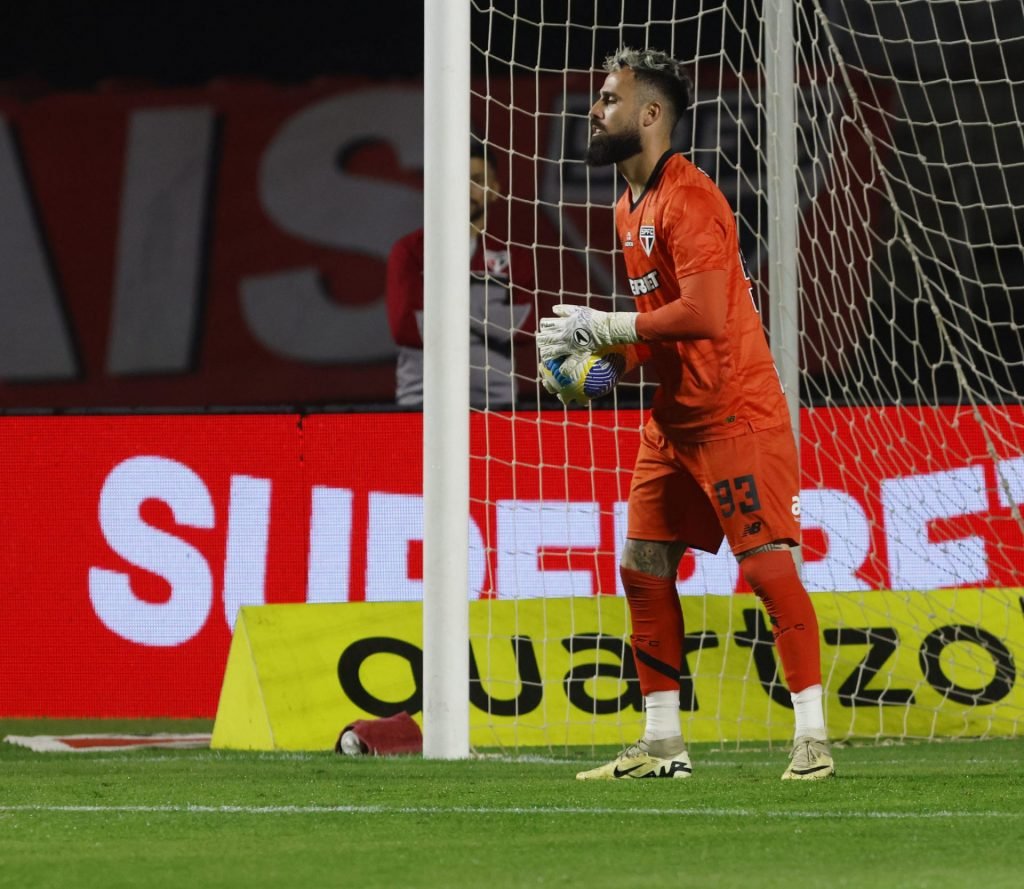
909 301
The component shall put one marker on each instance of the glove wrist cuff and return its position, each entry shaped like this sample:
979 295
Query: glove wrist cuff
622 327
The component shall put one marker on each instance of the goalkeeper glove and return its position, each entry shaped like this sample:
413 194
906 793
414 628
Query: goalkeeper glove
579 330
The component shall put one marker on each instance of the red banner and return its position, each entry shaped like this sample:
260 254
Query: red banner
223 245
129 543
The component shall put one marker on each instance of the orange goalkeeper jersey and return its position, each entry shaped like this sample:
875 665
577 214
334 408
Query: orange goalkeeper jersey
709 388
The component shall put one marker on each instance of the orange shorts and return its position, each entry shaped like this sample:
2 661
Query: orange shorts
745 488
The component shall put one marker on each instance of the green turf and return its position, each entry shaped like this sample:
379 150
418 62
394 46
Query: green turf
911 815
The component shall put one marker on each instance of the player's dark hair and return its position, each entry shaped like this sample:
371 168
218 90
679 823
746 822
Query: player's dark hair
657 69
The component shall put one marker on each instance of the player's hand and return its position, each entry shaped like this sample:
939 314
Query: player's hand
578 330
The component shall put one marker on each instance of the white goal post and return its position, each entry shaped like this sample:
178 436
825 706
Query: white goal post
446 381
873 153
782 199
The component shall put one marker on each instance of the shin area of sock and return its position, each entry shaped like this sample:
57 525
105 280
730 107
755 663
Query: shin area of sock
773 577
657 636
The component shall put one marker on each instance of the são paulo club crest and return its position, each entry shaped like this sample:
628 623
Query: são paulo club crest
647 238
496 262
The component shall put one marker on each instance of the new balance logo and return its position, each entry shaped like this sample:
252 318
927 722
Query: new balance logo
751 529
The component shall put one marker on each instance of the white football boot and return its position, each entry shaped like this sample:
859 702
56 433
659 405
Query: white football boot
811 760
645 759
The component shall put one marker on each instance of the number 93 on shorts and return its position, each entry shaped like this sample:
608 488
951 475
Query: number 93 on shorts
745 488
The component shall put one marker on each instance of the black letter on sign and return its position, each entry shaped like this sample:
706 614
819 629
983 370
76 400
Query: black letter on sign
883 641
692 642
529 697
576 678
351 661
758 636
937 640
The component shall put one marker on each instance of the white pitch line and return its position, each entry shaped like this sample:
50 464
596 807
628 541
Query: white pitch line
192 809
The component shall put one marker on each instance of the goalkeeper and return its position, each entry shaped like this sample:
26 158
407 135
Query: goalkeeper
717 456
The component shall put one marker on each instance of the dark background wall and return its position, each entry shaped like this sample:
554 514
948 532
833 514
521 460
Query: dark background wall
73 45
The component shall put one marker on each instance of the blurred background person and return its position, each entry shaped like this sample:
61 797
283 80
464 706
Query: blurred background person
501 299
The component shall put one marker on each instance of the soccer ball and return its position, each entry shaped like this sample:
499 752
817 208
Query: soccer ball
582 377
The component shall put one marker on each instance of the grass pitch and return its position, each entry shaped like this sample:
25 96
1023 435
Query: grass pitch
906 815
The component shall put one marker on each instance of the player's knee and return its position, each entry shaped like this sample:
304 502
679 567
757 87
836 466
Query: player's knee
767 569
658 558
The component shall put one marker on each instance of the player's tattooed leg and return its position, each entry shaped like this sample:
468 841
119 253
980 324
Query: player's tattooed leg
658 558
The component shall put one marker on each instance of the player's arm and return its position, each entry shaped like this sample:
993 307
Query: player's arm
698 314
699 240
405 291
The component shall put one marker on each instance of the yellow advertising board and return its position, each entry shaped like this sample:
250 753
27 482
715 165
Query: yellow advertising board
557 672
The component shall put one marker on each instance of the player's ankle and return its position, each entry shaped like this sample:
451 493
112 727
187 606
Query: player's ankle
809 714
666 747
662 712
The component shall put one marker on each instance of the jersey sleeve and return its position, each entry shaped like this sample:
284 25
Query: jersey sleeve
697 232
405 290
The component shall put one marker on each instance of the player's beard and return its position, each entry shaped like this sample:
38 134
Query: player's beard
606 148
477 214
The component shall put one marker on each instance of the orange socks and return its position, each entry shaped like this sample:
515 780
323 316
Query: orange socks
773 577
657 637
